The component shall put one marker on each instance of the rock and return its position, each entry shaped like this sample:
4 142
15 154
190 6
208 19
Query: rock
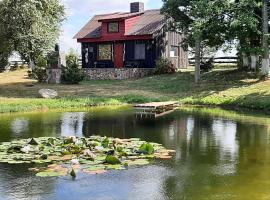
48 93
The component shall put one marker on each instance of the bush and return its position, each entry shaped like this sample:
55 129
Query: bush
3 63
72 74
14 67
165 66
207 65
40 71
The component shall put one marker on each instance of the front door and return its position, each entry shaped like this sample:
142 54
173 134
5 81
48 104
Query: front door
119 55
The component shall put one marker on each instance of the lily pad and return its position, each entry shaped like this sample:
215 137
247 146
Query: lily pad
138 162
50 174
93 155
148 148
112 160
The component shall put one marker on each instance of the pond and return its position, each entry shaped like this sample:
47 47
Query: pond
219 155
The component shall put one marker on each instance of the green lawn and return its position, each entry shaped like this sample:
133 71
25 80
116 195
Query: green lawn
221 87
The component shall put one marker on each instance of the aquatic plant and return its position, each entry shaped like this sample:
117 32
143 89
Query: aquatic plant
54 157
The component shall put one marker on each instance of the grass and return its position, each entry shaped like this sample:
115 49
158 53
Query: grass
221 87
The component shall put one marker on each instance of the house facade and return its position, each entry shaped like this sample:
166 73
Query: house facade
127 45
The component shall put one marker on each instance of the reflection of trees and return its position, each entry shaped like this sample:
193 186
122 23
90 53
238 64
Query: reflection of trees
72 124
16 182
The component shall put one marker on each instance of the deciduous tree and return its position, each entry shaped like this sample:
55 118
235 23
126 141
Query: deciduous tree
203 23
32 27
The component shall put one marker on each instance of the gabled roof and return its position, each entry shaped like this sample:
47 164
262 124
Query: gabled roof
148 23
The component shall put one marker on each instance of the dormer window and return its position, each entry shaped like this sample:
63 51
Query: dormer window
113 27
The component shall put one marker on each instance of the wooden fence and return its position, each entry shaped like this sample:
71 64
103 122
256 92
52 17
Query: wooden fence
217 60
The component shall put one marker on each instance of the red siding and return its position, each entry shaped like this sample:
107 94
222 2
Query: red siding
110 39
124 26
130 22
106 34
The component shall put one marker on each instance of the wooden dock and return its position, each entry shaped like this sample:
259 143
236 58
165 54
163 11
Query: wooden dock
155 109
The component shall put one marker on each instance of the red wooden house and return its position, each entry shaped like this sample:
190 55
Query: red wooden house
125 45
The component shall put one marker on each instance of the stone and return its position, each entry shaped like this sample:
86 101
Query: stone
116 73
48 93
54 76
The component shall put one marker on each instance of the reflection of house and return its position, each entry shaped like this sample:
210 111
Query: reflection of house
129 42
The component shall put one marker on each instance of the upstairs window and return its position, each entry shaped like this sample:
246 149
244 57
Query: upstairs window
105 52
139 51
113 27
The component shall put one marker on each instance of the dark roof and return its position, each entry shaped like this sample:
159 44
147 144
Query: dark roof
150 21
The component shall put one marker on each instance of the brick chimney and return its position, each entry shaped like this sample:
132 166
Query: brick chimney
136 7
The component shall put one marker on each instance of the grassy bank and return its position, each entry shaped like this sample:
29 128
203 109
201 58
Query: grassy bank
221 87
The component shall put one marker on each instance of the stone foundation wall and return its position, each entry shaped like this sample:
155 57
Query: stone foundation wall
116 74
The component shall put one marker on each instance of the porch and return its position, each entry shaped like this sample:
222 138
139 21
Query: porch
119 55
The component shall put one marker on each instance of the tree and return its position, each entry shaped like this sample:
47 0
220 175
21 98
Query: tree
265 61
245 26
32 27
202 22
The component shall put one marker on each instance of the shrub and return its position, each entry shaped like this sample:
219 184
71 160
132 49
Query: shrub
72 74
14 67
165 66
3 63
207 65
40 71
71 58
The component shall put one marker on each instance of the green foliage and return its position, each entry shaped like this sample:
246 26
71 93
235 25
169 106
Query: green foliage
71 57
24 152
165 66
198 18
40 71
72 74
148 148
112 160
31 27
207 65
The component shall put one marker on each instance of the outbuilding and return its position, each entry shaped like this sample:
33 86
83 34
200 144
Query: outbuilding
127 45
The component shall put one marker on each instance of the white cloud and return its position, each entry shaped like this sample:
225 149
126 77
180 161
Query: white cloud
92 7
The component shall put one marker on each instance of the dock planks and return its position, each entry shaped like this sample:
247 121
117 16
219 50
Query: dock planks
156 109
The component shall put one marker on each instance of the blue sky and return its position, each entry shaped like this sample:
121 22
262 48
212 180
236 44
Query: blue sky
80 11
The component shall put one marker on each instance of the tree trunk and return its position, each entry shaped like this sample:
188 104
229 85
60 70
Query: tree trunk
253 64
197 60
265 60
31 64
245 61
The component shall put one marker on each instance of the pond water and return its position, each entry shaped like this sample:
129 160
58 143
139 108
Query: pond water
219 155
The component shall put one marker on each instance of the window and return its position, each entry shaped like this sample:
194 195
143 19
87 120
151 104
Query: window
140 51
174 51
105 52
113 27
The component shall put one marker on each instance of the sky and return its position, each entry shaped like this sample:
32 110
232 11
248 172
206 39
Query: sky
79 12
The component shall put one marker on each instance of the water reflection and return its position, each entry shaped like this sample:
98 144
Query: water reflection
214 157
19 126
72 124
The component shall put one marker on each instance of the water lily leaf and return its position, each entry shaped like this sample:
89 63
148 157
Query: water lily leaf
93 155
112 160
115 167
102 171
50 174
18 162
147 147
41 161
95 168
138 162
164 157
105 142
